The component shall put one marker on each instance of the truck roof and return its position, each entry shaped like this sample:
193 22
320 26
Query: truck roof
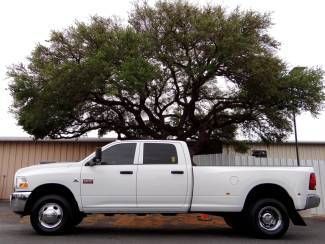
147 140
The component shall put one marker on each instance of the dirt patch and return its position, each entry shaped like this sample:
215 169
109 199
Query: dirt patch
155 221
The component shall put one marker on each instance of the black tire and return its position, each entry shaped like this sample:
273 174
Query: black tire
59 219
236 221
78 219
268 218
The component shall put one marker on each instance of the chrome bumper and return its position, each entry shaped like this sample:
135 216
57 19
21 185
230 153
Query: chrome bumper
18 201
312 201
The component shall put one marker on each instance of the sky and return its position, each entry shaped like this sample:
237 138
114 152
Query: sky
298 26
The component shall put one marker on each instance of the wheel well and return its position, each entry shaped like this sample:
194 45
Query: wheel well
47 189
269 191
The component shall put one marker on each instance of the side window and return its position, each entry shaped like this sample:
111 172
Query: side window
119 154
259 153
159 153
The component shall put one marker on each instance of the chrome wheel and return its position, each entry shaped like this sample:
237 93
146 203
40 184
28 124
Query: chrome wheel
270 218
50 215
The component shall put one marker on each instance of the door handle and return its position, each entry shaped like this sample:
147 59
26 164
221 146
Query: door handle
126 172
177 172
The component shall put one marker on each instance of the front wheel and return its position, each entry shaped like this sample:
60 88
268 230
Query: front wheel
268 218
78 219
51 214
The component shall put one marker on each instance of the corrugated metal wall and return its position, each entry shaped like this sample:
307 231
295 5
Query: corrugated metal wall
287 151
18 154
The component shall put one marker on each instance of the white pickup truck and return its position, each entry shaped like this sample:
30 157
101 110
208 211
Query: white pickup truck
157 176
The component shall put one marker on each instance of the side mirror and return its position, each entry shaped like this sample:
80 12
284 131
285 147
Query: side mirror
91 163
98 155
97 159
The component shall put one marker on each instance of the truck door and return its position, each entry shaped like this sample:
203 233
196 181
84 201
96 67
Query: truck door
162 178
111 185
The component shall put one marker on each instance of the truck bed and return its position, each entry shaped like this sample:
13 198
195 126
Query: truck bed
219 188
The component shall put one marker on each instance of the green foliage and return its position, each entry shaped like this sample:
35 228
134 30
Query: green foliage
175 71
240 146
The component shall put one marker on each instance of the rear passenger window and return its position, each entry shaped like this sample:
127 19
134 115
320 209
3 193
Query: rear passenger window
159 153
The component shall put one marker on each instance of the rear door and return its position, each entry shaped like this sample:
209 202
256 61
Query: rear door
162 178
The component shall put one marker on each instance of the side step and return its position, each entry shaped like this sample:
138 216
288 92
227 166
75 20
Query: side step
140 214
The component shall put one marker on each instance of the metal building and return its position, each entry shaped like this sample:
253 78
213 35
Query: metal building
20 152
285 150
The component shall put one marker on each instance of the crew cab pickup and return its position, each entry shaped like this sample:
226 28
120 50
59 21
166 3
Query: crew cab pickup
158 176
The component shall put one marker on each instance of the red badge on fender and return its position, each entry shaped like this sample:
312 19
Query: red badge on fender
88 181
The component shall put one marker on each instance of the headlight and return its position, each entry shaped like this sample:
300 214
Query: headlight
21 183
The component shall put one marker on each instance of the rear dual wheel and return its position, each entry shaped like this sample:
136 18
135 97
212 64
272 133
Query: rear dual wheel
236 222
267 218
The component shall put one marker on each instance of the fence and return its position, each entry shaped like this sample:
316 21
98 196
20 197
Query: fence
237 160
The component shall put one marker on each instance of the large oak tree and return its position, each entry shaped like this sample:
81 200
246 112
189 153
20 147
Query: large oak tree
176 70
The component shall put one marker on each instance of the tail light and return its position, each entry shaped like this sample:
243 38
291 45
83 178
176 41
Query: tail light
312 181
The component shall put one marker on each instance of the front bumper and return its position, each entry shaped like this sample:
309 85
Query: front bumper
312 201
18 201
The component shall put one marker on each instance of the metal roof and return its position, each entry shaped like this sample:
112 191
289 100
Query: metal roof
105 139
80 139
285 143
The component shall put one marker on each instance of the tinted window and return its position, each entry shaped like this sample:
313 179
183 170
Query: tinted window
259 153
159 153
119 154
